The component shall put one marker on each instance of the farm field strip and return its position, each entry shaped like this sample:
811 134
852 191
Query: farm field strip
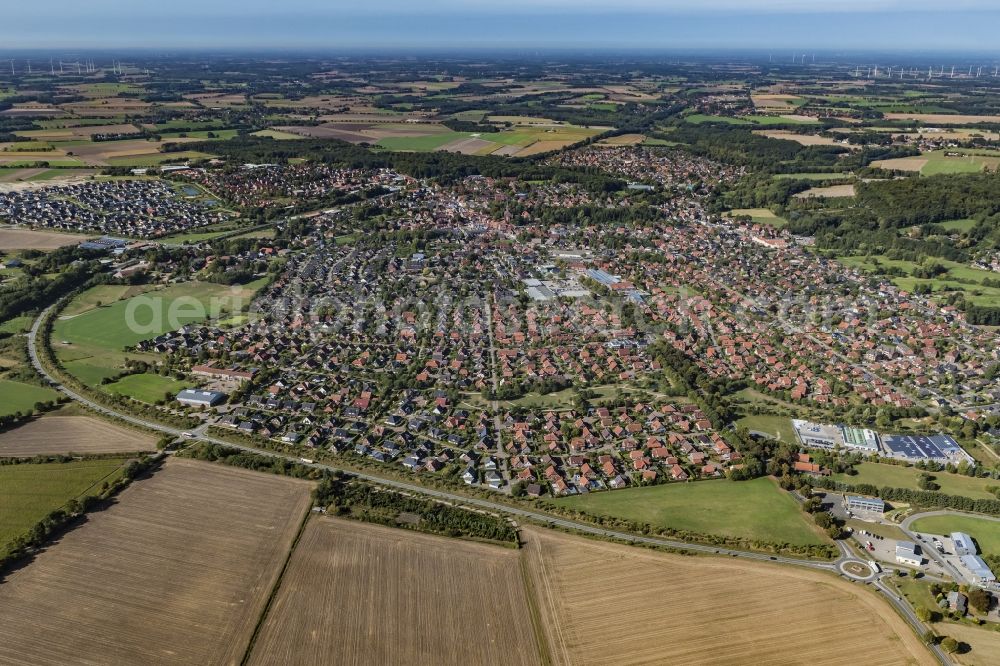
703 610
390 596
136 584
52 434
30 491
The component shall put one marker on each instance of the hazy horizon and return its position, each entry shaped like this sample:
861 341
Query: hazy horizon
301 25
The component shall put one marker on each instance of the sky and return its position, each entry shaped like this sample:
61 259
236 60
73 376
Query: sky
339 25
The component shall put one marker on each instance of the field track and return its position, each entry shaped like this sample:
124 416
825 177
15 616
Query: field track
604 603
72 434
356 593
176 572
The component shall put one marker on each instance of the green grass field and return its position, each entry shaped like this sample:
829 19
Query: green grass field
97 336
19 397
985 532
421 143
16 325
29 492
774 425
146 388
958 225
760 216
151 314
971 161
895 476
755 509
976 293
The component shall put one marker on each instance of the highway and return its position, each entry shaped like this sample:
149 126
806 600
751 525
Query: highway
552 521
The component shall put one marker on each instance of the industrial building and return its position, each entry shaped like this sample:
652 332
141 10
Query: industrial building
908 553
858 504
979 571
964 545
940 448
197 398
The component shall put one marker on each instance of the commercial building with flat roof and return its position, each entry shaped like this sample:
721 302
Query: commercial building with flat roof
865 504
908 552
861 439
197 398
978 569
940 448
818 435
964 545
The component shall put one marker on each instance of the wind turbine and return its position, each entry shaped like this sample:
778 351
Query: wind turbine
52 68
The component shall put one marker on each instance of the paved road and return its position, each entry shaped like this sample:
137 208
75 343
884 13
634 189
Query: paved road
477 502
929 550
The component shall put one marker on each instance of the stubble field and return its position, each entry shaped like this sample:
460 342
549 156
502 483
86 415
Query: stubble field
51 435
176 572
357 593
26 239
603 603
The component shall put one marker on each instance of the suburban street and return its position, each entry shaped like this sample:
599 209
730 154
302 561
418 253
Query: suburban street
551 521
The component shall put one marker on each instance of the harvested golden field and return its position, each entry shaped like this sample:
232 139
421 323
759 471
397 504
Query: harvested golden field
52 434
99 153
622 140
176 572
357 593
943 118
27 239
604 603
984 644
830 192
545 146
803 139
901 163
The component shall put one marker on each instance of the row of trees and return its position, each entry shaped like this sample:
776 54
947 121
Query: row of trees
58 520
922 498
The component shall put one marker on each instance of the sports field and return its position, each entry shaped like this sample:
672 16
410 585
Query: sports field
146 387
176 571
896 476
20 397
985 532
604 603
29 492
754 510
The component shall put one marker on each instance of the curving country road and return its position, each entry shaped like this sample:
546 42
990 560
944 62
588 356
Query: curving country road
552 521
